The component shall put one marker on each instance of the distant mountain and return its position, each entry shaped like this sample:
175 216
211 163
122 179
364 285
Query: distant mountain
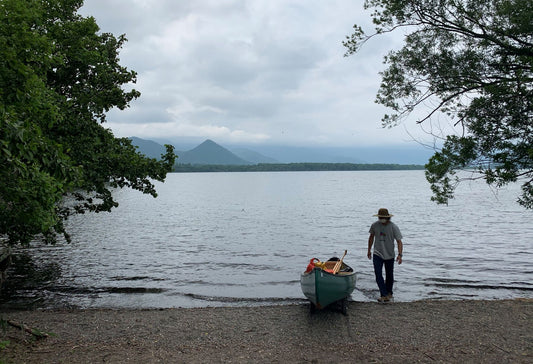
207 152
210 152
181 143
149 148
388 154
252 156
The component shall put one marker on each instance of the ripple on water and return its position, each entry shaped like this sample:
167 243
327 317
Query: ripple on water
244 239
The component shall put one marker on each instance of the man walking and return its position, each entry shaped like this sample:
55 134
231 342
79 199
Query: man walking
382 235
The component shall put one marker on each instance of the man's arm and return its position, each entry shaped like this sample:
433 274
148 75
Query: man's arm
370 242
400 251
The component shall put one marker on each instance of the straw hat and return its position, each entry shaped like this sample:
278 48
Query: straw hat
383 213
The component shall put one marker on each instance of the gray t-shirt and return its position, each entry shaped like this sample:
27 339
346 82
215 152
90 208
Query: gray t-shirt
384 236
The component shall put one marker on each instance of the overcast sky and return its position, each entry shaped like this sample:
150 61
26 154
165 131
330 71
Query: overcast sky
258 71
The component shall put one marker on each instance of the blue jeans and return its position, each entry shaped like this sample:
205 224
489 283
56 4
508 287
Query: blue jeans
385 286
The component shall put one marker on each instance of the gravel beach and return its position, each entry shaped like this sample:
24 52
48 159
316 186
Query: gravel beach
424 331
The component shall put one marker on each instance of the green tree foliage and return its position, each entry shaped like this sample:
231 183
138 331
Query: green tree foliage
58 78
471 61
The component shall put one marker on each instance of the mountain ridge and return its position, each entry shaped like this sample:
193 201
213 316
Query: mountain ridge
210 152
206 153
245 155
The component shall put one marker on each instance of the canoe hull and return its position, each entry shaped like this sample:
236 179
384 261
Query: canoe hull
323 288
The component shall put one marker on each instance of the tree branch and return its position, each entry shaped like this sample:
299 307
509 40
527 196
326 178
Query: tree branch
37 333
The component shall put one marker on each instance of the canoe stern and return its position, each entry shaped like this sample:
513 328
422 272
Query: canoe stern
323 288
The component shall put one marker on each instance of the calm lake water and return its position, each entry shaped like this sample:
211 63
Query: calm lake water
213 239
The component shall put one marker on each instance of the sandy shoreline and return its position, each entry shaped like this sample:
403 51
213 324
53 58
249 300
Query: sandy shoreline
426 331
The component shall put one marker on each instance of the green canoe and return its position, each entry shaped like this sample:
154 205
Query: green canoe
323 288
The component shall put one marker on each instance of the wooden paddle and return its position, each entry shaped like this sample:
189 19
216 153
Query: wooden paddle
338 265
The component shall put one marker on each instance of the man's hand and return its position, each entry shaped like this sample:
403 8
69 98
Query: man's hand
370 242
399 259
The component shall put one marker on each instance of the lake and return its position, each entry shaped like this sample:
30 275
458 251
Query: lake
231 239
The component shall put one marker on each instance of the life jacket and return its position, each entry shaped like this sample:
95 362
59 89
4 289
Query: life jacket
311 265
316 263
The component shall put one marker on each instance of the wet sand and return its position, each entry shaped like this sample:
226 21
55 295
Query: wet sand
425 331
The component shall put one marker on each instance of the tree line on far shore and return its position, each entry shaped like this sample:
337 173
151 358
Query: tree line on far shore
292 167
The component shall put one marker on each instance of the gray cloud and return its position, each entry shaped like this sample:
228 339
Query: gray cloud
248 71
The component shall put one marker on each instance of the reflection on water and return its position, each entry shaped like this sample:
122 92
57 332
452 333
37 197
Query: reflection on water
26 279
244 238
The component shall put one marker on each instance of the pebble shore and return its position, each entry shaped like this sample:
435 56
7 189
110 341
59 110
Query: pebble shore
474 331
